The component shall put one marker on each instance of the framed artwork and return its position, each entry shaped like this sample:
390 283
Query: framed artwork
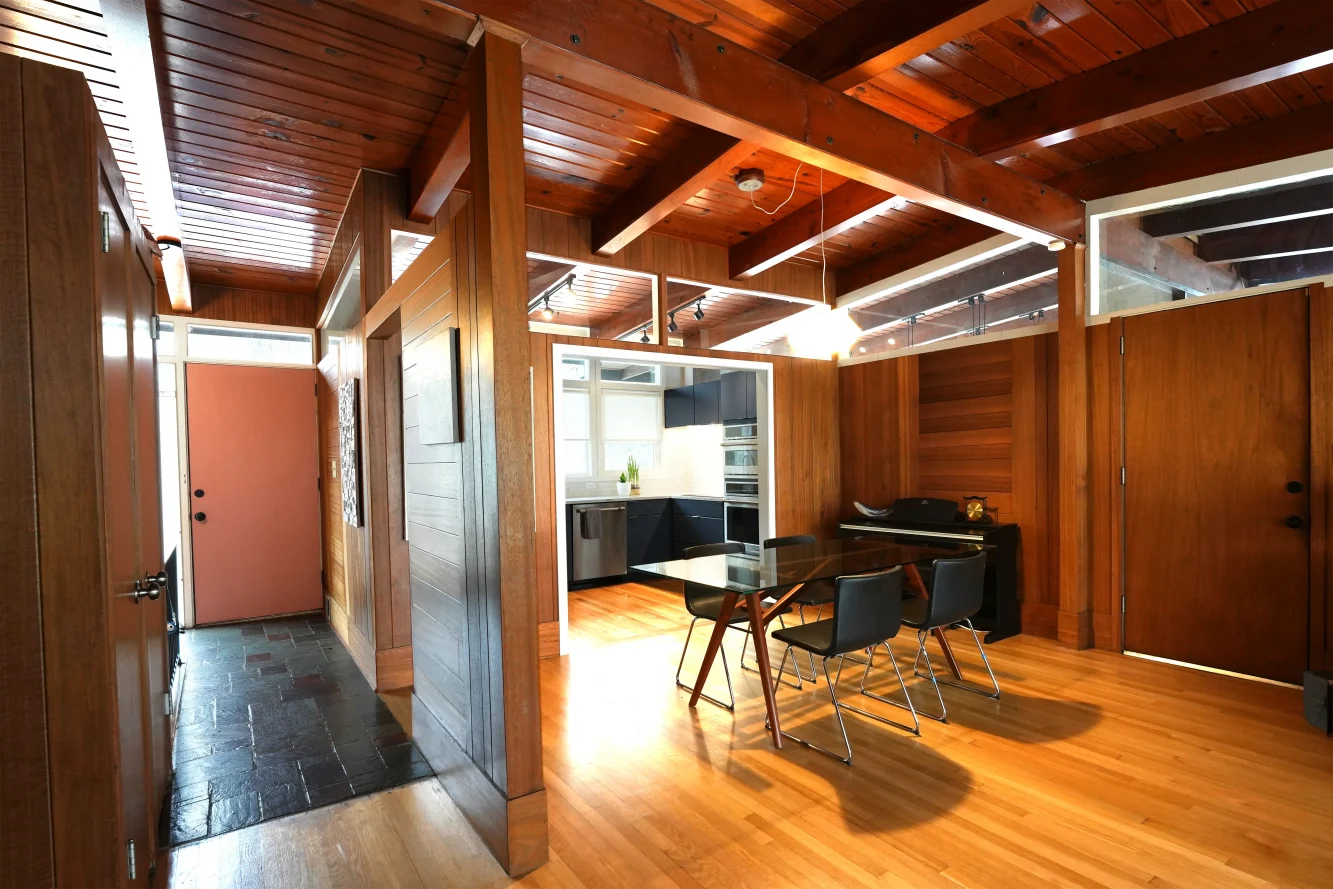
349 427
437 365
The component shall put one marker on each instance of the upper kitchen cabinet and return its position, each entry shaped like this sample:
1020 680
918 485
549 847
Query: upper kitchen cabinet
708 403
678 406
738 397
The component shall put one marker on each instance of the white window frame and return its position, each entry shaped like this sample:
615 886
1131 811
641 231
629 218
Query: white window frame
595 386
182 323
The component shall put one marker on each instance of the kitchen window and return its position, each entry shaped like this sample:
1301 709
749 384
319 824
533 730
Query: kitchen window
612 411
630 428
577 432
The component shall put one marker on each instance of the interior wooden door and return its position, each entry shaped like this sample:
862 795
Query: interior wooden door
120 517
1217 451
254 491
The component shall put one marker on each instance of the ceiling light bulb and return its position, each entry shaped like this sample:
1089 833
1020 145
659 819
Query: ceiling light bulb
699 311
547 312
671 324
863 348
892 342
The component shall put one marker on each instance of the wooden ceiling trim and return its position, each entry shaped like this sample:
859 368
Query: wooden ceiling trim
1273 42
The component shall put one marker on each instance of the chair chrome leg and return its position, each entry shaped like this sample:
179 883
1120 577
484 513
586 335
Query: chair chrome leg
837 711
922 636
916 730
725 672
994 693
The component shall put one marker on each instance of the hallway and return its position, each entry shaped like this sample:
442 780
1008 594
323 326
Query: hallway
275 718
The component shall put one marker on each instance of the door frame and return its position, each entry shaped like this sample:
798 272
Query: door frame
179 358
1319 294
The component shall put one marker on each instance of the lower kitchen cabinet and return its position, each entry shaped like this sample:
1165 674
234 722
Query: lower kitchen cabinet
648 531
694 522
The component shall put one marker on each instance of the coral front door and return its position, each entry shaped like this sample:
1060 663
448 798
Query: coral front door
254 491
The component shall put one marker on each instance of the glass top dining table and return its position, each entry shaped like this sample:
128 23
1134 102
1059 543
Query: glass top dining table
773 569
777 574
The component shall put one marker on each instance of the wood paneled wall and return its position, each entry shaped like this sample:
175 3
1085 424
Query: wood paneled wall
216 303
1321 475
805 448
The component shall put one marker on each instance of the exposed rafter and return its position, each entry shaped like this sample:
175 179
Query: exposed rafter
1259 209
1004 311
1291 238
646 55
864 277
127 31
1276 41
1143 256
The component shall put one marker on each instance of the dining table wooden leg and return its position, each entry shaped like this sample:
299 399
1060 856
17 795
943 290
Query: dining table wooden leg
714 643
914 577
760 636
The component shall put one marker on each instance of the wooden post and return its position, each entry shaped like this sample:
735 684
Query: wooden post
505 448
660 307
909 423
1075 618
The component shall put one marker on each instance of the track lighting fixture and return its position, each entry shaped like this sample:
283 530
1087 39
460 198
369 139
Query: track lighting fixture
699 311
644 338
672 326
547 312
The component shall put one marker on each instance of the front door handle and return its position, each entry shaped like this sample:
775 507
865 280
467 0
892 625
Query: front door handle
1294 522
159 579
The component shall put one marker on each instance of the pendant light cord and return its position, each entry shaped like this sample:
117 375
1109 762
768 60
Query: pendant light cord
790 196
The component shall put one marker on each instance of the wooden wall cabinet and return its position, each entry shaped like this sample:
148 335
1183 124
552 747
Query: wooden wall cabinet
83 662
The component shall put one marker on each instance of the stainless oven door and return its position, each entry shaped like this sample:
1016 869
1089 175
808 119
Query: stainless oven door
742 523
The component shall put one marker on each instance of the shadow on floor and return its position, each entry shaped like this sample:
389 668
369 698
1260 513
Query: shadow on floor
275 719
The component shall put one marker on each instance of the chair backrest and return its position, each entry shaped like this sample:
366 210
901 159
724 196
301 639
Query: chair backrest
956 588
730 548
790 540
867 609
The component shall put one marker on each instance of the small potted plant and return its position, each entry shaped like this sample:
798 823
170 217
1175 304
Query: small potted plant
633 471
622 486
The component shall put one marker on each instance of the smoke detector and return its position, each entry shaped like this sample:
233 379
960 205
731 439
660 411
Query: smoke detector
750 179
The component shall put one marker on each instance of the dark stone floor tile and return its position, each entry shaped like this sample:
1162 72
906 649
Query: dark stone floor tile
378 718
323 774
347 734
363 766
393 740
279 637
189 821
401 755
312 745
234 812
314 691
355 750
252 631
255 658
215 766
284 799
285 712
332 793
271 669
188 793
389 730
278 757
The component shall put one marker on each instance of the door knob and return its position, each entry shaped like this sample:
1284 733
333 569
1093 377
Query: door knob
142 589
1294 522
159 579
199 516
1295 487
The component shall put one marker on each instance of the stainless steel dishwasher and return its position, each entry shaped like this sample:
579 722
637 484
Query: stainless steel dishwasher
599 542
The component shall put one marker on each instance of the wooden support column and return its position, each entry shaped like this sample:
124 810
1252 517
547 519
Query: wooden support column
1075 617
909 423
1321 478
660 308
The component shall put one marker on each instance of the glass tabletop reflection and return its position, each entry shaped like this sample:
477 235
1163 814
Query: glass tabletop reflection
783 566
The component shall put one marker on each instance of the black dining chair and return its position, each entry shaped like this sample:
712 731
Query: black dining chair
813 594
867 613
956 587
705 603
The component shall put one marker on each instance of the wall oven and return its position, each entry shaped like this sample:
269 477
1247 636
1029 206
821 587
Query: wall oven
741 510
740 451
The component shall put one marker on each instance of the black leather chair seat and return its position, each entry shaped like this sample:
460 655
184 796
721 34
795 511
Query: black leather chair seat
916 612
815 637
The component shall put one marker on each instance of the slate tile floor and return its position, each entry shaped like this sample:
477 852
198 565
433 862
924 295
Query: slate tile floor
275 719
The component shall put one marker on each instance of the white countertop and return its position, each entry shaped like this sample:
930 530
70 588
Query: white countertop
615 499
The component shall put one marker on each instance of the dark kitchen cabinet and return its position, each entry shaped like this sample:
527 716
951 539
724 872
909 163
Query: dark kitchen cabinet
708 403
694 522
648 535
738 397
678 406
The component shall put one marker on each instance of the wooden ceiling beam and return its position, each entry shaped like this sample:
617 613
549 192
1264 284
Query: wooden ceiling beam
697 161
1291 135
954 235
1276 41
126 23
744 323
874 37
1260 209
844 52
441 158
646 55
1004 271
844 207
1291 238
1286 268
627 320
1142 255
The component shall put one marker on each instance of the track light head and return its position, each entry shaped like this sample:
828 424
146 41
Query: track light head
644 338
547 312
672 326
699 311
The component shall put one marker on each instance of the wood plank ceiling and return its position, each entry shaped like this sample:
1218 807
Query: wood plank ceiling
271 106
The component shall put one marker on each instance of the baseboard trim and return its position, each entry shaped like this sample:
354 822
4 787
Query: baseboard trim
360 648
548 639
515 830
393 668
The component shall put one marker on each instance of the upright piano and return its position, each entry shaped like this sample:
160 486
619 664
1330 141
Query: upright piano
931 521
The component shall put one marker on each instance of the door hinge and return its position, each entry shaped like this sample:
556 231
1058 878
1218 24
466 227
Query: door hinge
166 703
1122 604
106 232
1122 475
1122 345
129 852
155 327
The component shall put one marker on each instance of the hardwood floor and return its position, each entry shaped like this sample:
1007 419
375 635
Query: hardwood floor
1093 770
